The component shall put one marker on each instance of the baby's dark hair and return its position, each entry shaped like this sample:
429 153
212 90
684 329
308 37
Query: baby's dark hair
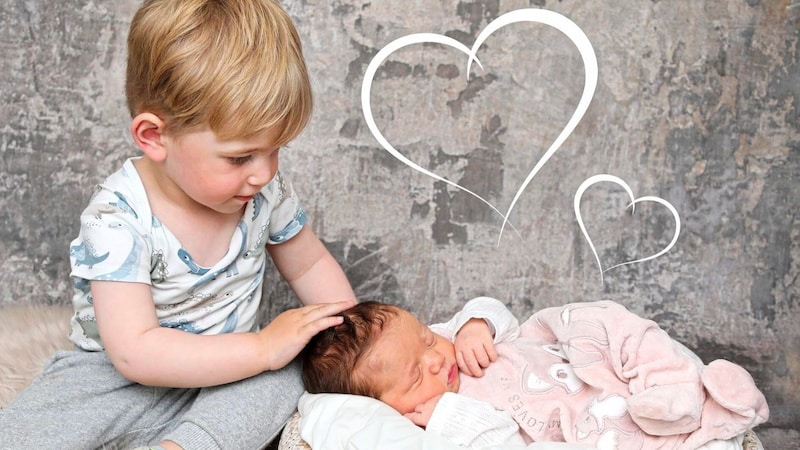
332 357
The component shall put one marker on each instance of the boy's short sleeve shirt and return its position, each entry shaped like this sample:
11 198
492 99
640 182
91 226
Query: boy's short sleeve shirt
121 240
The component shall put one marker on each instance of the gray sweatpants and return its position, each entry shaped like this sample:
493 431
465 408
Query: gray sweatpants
81 402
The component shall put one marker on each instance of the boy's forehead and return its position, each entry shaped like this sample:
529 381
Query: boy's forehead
263 138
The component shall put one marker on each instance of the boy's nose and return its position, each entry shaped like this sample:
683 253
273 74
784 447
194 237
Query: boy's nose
262 172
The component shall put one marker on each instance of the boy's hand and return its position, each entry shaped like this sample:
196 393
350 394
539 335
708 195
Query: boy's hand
475 347
423 412
287 334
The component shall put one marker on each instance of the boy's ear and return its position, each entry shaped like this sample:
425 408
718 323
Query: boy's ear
147 130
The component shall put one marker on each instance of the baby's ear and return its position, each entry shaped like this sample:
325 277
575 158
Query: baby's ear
147 131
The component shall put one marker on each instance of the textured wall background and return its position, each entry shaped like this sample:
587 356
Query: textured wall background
697 102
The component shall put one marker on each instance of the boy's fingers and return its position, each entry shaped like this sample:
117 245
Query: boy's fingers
324 322
328 309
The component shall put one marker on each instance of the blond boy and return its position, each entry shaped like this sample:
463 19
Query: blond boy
169 261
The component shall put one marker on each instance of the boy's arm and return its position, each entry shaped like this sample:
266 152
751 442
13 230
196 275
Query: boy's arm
144 352
311 271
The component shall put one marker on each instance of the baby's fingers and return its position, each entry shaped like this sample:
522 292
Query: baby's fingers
482 358
491 353
415 417
422 412
468 364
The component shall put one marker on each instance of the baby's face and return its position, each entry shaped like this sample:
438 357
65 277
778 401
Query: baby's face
411 363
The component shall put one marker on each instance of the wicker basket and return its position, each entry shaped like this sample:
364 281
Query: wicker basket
290 437
291 440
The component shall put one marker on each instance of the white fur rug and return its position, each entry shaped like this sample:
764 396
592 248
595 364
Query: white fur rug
29 335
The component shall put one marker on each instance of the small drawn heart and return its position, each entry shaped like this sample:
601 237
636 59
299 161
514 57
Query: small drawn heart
616 180
555 20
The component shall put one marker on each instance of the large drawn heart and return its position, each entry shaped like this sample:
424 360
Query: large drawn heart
581 41
555 20
616 180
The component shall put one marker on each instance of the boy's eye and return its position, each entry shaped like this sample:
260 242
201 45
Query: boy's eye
239 160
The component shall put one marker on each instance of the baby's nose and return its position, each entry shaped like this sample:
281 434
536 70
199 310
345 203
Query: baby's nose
435 362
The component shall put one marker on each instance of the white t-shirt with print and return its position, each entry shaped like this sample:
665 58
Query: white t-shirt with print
121 240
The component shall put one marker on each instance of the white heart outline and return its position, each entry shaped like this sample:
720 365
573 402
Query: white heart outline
553 19
619 181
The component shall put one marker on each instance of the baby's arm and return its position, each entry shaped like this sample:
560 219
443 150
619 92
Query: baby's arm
310 269
353 422
144 352
473 423
487 317
422 413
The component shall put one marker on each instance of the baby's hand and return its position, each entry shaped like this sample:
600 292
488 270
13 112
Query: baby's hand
475 347
423 412
284 337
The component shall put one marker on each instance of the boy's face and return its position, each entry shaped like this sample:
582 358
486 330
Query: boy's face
411 363
220 175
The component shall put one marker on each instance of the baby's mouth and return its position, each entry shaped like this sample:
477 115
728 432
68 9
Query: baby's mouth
452 376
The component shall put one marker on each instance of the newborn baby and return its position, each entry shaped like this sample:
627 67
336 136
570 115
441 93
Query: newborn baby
589 373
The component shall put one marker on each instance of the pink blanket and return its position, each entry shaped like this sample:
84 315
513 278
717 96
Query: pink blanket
596 374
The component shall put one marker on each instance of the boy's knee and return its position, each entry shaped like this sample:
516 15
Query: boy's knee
293 380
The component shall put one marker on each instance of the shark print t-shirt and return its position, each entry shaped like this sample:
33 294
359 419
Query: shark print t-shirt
121 240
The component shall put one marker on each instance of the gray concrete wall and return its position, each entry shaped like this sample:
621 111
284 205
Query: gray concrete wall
698 102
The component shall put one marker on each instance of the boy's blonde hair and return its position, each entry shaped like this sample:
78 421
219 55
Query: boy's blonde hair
232 66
